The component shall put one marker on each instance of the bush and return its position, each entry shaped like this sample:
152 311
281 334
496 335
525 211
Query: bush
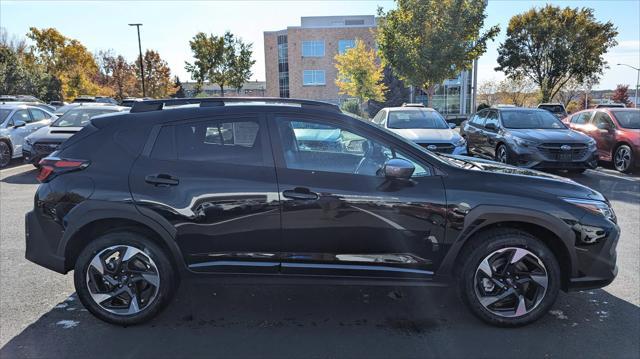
482 106
352 106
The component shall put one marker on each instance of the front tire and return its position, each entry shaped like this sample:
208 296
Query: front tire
5 154
623 159
502 155
124 278
508 277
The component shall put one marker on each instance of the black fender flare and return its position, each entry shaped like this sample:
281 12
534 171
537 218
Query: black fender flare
90 211
484 216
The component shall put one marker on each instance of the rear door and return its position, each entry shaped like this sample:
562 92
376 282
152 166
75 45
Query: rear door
40 119
604 132
488 141
473 131
214 180
581 121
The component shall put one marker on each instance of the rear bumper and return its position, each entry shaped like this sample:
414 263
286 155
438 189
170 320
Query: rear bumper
40 248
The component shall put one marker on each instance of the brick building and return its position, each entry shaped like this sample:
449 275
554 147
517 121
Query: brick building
299 62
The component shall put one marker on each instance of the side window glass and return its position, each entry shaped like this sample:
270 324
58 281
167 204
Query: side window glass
492 117
318 147
38 115
601 120
236 142
478 120
21 115
581 118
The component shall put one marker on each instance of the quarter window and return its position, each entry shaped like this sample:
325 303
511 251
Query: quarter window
313 48
313 78
327 148
235 142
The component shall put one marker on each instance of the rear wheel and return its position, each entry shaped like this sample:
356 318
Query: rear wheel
5 154
508 277
623 159
124 278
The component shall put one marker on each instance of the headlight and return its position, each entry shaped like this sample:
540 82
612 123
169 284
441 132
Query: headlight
591 143
461 142
597 207
28 141
522 142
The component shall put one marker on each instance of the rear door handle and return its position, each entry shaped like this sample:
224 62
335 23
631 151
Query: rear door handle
162 180
300 193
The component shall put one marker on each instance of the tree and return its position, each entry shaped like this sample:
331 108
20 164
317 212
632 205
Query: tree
179 90
621 95
397 93
223 60
488 93
552 45
157 76
428 41
570 92
119 75
359 75
516 91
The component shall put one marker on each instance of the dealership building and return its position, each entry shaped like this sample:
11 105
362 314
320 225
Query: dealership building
299 63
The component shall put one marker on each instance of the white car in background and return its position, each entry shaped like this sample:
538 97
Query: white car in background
424 126
17 121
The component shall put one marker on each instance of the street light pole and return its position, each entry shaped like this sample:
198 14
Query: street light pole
144 92
637 81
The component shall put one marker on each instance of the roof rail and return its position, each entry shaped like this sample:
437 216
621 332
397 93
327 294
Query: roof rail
157 105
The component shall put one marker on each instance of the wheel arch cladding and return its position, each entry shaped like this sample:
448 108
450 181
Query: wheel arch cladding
72 246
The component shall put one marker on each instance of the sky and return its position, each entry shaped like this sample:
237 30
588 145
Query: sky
169 25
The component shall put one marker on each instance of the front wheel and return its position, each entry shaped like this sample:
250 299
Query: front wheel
5 154
124 278
508 277
502 154
623 159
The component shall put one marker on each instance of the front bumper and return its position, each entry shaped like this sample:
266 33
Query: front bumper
534 157
595 263
38 151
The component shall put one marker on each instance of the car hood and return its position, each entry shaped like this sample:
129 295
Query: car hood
53 134
427 134
544 182
550 135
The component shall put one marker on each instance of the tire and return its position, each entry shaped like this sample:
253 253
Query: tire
5 154
623 159
502 154
494 247
150 265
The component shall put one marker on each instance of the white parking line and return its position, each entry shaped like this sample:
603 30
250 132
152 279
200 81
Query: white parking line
15 170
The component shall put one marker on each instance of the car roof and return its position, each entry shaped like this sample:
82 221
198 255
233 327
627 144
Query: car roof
10 105
92 106
408 108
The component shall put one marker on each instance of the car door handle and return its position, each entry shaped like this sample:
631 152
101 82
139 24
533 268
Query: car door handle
162 180
300 193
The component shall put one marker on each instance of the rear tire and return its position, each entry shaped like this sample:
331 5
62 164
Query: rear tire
124 278
623 159
524 273
5 154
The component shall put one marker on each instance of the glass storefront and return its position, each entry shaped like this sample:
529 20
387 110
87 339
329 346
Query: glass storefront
452 97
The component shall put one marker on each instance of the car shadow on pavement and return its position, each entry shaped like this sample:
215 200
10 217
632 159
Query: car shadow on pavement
27 177
206 320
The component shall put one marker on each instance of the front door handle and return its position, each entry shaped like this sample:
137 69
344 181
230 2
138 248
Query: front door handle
300 193
162 180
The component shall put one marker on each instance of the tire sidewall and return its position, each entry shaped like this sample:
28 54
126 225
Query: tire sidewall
631 160
165 270
522 241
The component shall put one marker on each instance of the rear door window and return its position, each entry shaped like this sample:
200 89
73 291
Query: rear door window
492 117
479 118
581 118
39 115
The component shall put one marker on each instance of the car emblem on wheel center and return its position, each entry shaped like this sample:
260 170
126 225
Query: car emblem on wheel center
565 148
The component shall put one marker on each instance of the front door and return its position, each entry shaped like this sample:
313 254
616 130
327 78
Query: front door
213 179
19 133
604 132
341 216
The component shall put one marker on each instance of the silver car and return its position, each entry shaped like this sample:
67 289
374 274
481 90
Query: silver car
424 126
17 121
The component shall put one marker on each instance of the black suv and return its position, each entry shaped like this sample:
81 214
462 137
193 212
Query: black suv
296 192
528 137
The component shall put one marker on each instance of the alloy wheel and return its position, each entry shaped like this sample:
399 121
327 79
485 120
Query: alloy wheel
5 154
502 154
123 280
622 158
511 282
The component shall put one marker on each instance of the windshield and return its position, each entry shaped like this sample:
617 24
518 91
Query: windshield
416 119
628 119
79 117
531 119
552 108
3 114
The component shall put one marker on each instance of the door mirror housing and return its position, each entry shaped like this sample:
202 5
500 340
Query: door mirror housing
397 168
451 125
491 126
19 123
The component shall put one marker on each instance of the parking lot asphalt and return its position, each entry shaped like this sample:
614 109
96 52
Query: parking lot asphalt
40 315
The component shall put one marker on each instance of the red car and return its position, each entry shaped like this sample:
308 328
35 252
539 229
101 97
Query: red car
616 131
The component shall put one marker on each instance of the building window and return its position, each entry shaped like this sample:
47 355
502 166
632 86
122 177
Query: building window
283 66
353 22
313 77
313 48
344 45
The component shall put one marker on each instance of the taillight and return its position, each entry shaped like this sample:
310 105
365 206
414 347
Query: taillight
53 166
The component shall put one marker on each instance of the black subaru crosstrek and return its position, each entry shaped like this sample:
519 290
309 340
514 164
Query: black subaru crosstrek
226 188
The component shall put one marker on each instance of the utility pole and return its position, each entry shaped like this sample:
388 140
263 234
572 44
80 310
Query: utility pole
144 92
637 82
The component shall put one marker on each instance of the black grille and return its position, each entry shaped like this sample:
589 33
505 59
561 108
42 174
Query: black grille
554 151
439 147
45 148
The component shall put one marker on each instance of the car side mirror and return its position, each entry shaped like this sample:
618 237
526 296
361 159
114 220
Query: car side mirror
19 123
397 168
452 125
491 126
